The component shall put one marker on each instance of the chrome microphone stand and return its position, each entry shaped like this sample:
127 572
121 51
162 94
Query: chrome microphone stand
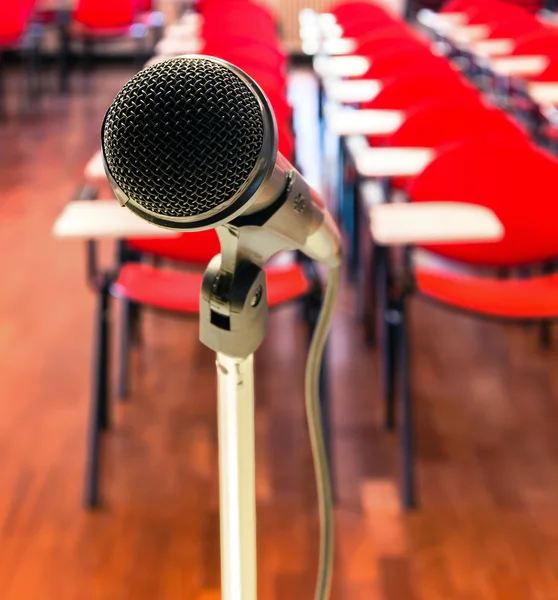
233 323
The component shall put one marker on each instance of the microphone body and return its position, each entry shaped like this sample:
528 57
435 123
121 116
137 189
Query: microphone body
190 143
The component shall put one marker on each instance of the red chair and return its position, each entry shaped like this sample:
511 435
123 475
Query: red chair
408 59
437 123
237 49
384 39
16 34
346 10
177 293
100 21
507 178
360 27
250 62
493 12
514 28
257 15
457 5
541 41
402 92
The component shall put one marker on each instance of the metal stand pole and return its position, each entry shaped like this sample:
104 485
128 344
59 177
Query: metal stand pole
233 322
237 477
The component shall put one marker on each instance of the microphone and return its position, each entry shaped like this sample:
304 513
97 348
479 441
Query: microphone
190 143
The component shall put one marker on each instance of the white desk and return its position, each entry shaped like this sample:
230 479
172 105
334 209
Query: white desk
352 91
192 19
363 122
171 47
433 222
441 22
87 219
339 46
182 32
392 162
95 169
493 48
341 66
519 66
467 34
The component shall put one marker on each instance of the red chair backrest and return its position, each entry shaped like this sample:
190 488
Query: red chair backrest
14 17
457 5
486 10
360 27
270 82
243 45
401 93
105 13
494 12
237 9
248 61
230 25
344 10
410 59
385 38
434 124
513 180
537 42
514 28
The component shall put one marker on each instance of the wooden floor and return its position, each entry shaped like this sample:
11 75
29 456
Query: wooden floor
486 405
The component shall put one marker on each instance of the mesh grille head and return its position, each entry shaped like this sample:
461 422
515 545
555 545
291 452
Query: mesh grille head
184 138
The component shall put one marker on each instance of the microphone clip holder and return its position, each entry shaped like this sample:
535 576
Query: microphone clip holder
233 309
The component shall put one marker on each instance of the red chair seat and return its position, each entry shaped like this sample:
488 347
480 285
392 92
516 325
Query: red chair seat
535 298
195 247
179 291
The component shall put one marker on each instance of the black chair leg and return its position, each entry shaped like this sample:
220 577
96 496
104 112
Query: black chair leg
124 341
545 334
87 62
99 418
390 349
3 111
135 324
369 297
64 60
354 207
407 442
31 59
389 320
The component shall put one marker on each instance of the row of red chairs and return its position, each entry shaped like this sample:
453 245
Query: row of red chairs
523 36
92 21
479 157
530 34
99 16
243 33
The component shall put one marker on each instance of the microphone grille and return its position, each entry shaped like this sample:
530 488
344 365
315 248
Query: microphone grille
183 137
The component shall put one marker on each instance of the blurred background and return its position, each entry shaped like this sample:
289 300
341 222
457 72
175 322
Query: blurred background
440 395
